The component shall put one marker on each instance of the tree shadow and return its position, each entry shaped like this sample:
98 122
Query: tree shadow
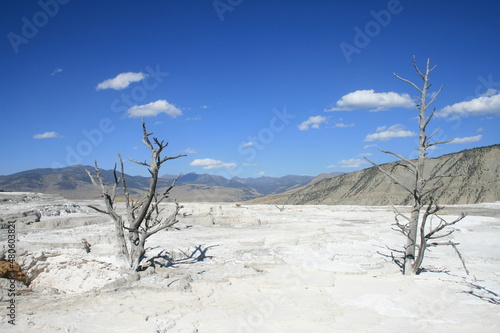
167 259
399 261
483 294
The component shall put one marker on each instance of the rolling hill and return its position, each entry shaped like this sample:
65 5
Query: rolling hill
474 178
73 183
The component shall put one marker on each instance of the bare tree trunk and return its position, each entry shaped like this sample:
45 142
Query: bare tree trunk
143 215
409 267
415 229
122 242
411 240
138 252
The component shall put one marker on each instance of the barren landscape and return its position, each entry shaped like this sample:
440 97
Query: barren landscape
233 166
248 268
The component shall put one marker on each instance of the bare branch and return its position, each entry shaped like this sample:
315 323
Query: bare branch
282 208
166 222
398 156
137 162
430 136
401 164
443 224
408 81
418 69
397 181
98 209
434 98
438 143
167 191
170 158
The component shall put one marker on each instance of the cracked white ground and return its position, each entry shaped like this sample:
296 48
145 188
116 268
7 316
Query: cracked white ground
254 268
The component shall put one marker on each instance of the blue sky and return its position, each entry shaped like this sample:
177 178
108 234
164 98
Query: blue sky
244 88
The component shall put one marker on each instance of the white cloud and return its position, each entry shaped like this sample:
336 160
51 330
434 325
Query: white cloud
352 163
247 144
47 135
190 151
121 81
57 70
475 107
209 164
312 122
249 164
204 107
262 173
490 92
342 125
468 139
385 133
195 118
369 99
153 109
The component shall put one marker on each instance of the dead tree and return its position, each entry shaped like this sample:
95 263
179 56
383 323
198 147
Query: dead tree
143 218
416 227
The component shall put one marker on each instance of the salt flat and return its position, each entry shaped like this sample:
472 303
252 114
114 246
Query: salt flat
252 268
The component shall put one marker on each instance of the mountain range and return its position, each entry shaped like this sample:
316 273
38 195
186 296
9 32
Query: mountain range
73 183
474 177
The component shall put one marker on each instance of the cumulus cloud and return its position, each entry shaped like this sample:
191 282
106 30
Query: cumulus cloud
312 122
468 139
247 144
352 163
195 118
385 133
342 125
57 70
153 109
121 81
475 107
190 151
47 135
209 164
490 92
349 163
369 99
